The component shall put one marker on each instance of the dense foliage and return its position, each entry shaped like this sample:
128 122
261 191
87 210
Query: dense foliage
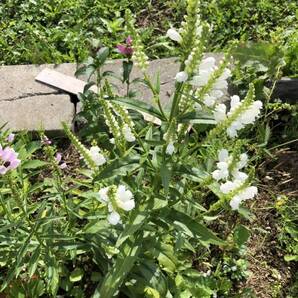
150 200
39 31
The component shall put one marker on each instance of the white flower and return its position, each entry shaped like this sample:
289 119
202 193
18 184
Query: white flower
220 174
222 171
220 112
223 155
235 202
217 93
114 218
207 64
239 176
170 148
228 187
112 140
246 194
181 77
201 79
174 35
243 161
220 84
103 195
122 198
247 117
96 156
128 135
209 101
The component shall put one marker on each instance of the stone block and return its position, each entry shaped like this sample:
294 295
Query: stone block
37 112
28 104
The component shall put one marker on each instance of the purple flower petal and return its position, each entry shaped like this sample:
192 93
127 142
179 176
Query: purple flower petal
58 157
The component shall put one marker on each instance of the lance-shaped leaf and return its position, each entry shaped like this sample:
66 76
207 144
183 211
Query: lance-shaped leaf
139 106
194 228
119 167
124 263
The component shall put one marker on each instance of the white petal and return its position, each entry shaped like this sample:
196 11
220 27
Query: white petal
128 205
228 187
170 149
181 76
223 155
207 64
243 161
220 112
174 35
103 194
114 218
235 202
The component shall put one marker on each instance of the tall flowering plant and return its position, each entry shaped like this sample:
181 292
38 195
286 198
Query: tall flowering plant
143 210
153 178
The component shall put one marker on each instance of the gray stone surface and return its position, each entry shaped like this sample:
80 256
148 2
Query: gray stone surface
37 112
28 104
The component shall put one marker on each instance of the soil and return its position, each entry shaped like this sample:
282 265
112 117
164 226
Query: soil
271 275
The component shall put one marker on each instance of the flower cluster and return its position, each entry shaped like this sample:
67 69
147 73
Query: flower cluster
117 199
229 174
247 116
138 56
126 49
8 160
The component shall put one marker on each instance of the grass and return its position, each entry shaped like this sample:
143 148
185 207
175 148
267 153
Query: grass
56 31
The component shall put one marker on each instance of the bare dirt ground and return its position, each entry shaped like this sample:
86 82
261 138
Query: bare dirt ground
271 275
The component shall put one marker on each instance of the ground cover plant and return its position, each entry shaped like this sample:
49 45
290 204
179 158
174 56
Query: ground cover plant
40 31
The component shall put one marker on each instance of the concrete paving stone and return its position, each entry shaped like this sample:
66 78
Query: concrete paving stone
28 104
37 112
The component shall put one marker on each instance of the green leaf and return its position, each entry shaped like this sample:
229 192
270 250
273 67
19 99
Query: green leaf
127 68
33 164
166 174
119 167
76 275
117 274
34 262
198 230
241 235
136 220
102 55
138 105
151 293
289 258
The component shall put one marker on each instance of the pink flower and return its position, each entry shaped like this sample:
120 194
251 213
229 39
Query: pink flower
10 137
8 160
58 159
126 49
46 141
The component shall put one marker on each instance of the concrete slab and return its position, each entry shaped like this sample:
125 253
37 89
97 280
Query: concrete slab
28 104
37 112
